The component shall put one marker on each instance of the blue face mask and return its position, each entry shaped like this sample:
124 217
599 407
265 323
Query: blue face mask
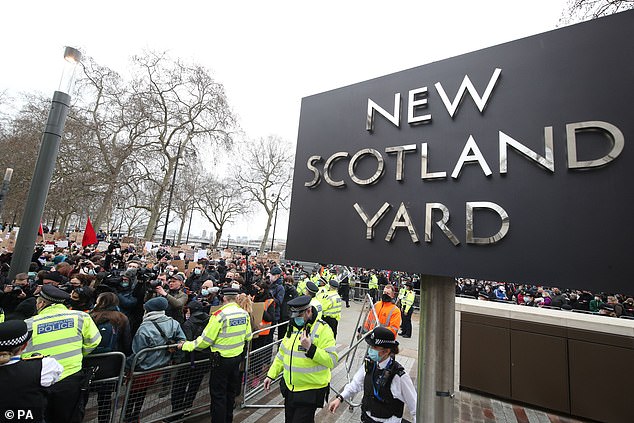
204 292
197 271
125 284
374 355
299 321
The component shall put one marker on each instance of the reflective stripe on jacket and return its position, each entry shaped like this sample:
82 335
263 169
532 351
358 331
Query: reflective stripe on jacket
304 370
227 331
374 282
408 300
332 304
66 335
318 306
389 317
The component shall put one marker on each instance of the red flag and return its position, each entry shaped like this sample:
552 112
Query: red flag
90 237
40 231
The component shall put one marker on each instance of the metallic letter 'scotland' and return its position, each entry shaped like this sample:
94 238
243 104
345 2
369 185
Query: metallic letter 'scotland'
400 150
547 162
614 133
316 178
379 168
329 164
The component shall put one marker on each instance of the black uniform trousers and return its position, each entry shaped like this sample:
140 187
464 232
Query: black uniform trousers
65 401
224 384
299 414
406 326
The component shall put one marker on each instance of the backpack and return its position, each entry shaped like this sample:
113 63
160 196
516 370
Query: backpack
109 337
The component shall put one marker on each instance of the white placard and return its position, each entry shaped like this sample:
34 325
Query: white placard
103 245
61 244
49 248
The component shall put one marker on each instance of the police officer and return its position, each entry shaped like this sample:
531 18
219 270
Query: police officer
22 380
225 334
407 307
312 291
301 284
67 336
306 356
373 286
331 302
385 384
344 289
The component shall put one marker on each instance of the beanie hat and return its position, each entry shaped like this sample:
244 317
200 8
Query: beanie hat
156 304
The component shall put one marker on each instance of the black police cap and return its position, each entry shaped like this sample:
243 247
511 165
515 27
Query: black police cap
299 304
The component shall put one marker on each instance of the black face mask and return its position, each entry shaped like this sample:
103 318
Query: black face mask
386 298
76 305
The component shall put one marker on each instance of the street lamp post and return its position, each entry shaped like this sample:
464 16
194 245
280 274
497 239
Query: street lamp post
277 199
45 166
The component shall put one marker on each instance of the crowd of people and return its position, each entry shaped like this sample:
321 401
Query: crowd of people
127 301
608 304
76 301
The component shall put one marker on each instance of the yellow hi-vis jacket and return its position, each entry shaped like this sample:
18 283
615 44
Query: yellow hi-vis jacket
227 331
304 370
301 286
408 300
373 283
318 306
331 301
66 335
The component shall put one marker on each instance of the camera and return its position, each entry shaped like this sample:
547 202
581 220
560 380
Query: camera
144 274
153 284
67 287
17 290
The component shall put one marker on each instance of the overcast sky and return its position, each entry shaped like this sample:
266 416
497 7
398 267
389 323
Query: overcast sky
268 54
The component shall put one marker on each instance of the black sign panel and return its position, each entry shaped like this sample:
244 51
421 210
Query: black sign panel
523 149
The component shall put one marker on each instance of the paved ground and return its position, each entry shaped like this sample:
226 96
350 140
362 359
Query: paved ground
468 407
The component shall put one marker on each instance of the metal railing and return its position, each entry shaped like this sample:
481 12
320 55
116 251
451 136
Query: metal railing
180 390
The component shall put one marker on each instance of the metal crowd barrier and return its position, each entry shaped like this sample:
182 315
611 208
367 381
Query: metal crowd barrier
260 354
105 392
258 361
180 390
171 392
358 293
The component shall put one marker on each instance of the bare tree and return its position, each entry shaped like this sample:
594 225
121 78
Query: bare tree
184 105
186 191
265 176
118 122
220 202
581 10
20 142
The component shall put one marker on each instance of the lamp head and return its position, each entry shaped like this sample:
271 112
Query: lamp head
72 57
